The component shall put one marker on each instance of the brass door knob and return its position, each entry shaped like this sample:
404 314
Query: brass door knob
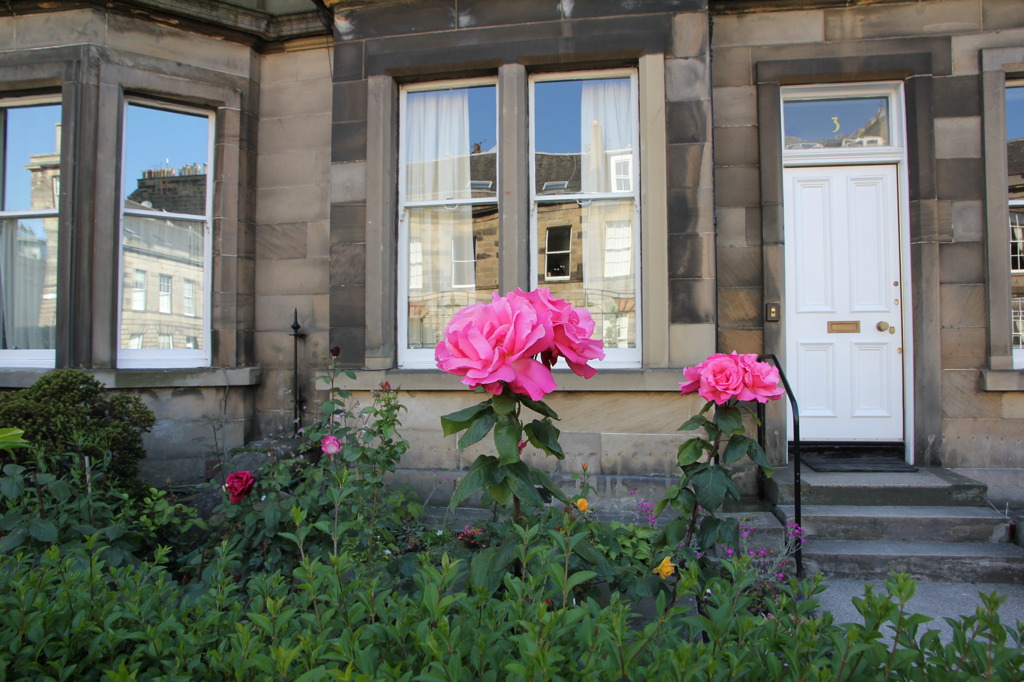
882 326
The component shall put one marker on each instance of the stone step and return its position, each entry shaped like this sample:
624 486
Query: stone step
946 524
927 487
974 562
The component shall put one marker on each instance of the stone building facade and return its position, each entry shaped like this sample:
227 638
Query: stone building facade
821 180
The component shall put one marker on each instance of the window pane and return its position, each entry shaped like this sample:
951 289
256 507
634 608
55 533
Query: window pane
173 248
31 174
28 283
455 264
450 144
165 160
860 122
603 263
584 133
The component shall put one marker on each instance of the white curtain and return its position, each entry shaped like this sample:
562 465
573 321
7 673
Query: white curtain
606 129
22 273
437 145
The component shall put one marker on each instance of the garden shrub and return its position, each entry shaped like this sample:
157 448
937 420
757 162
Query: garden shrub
68 414
65 615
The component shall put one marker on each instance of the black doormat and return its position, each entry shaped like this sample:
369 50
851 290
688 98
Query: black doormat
853 456
878 464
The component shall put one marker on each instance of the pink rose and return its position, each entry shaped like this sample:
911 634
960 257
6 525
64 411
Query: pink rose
722 377
572 328
491 343
330 445
762 381
238 485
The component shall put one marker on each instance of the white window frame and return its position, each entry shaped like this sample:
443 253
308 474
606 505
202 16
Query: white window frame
181 357
609 262
139 292
32 358
423 357
165 305
1016 309
614 357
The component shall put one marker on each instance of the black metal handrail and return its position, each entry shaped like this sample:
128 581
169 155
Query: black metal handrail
798 553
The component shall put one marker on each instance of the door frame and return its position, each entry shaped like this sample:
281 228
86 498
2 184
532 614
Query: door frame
895 154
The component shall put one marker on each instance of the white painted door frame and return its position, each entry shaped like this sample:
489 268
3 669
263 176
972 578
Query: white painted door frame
893 156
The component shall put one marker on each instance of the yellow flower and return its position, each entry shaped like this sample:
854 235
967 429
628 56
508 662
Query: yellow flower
581 504
665 568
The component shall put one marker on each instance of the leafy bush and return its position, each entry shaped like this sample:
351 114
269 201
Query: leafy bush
65 615
69 415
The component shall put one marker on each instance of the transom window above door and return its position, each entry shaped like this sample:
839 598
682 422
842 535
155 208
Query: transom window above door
855 119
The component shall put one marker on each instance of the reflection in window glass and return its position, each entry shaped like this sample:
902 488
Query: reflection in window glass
584 133
28 226
449 208
165 175
1015 193
602 261
458 265
857 122
450 144
557 255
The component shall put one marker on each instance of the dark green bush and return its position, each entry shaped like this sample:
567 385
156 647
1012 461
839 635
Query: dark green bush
68 414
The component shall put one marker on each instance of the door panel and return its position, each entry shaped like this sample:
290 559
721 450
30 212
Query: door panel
843 288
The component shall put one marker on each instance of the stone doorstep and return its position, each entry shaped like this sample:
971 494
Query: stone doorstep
926 487
950 524
971 562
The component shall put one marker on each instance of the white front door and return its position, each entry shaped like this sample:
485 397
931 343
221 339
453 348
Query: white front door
844 302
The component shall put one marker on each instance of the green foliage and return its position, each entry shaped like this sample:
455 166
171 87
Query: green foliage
314 504
41 505
65 614
69 415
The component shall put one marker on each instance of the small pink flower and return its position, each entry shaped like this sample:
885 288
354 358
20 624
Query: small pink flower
330 445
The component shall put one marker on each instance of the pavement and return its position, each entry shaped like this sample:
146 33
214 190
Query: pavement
937 600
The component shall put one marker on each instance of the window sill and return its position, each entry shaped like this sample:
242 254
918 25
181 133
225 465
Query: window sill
1002 380
435 380
148 378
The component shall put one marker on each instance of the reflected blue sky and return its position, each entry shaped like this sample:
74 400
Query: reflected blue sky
819 120
30 131
156 138
1014 113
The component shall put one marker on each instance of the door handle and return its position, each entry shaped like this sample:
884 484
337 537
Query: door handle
882 326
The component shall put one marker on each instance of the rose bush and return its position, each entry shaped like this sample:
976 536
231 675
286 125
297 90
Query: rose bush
507 348
238 485
726 382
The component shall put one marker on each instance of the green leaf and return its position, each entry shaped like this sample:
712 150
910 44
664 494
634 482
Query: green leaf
504 403
694 422
758 457
476 479
692 450
538 406
521 484
729 419
479 427
12 487
736 449
42 530
544 436
711 487
10 520
507 434
457 421
13 539
578 578
543 480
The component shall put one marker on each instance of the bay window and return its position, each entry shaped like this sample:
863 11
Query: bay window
165 227
29 207
582 193
1015 193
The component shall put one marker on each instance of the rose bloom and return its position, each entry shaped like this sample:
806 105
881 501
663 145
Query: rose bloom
582 505
572 328
494 344
665 568
723 376
238 485
330 445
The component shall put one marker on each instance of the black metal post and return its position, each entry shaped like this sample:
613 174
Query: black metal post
298 400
